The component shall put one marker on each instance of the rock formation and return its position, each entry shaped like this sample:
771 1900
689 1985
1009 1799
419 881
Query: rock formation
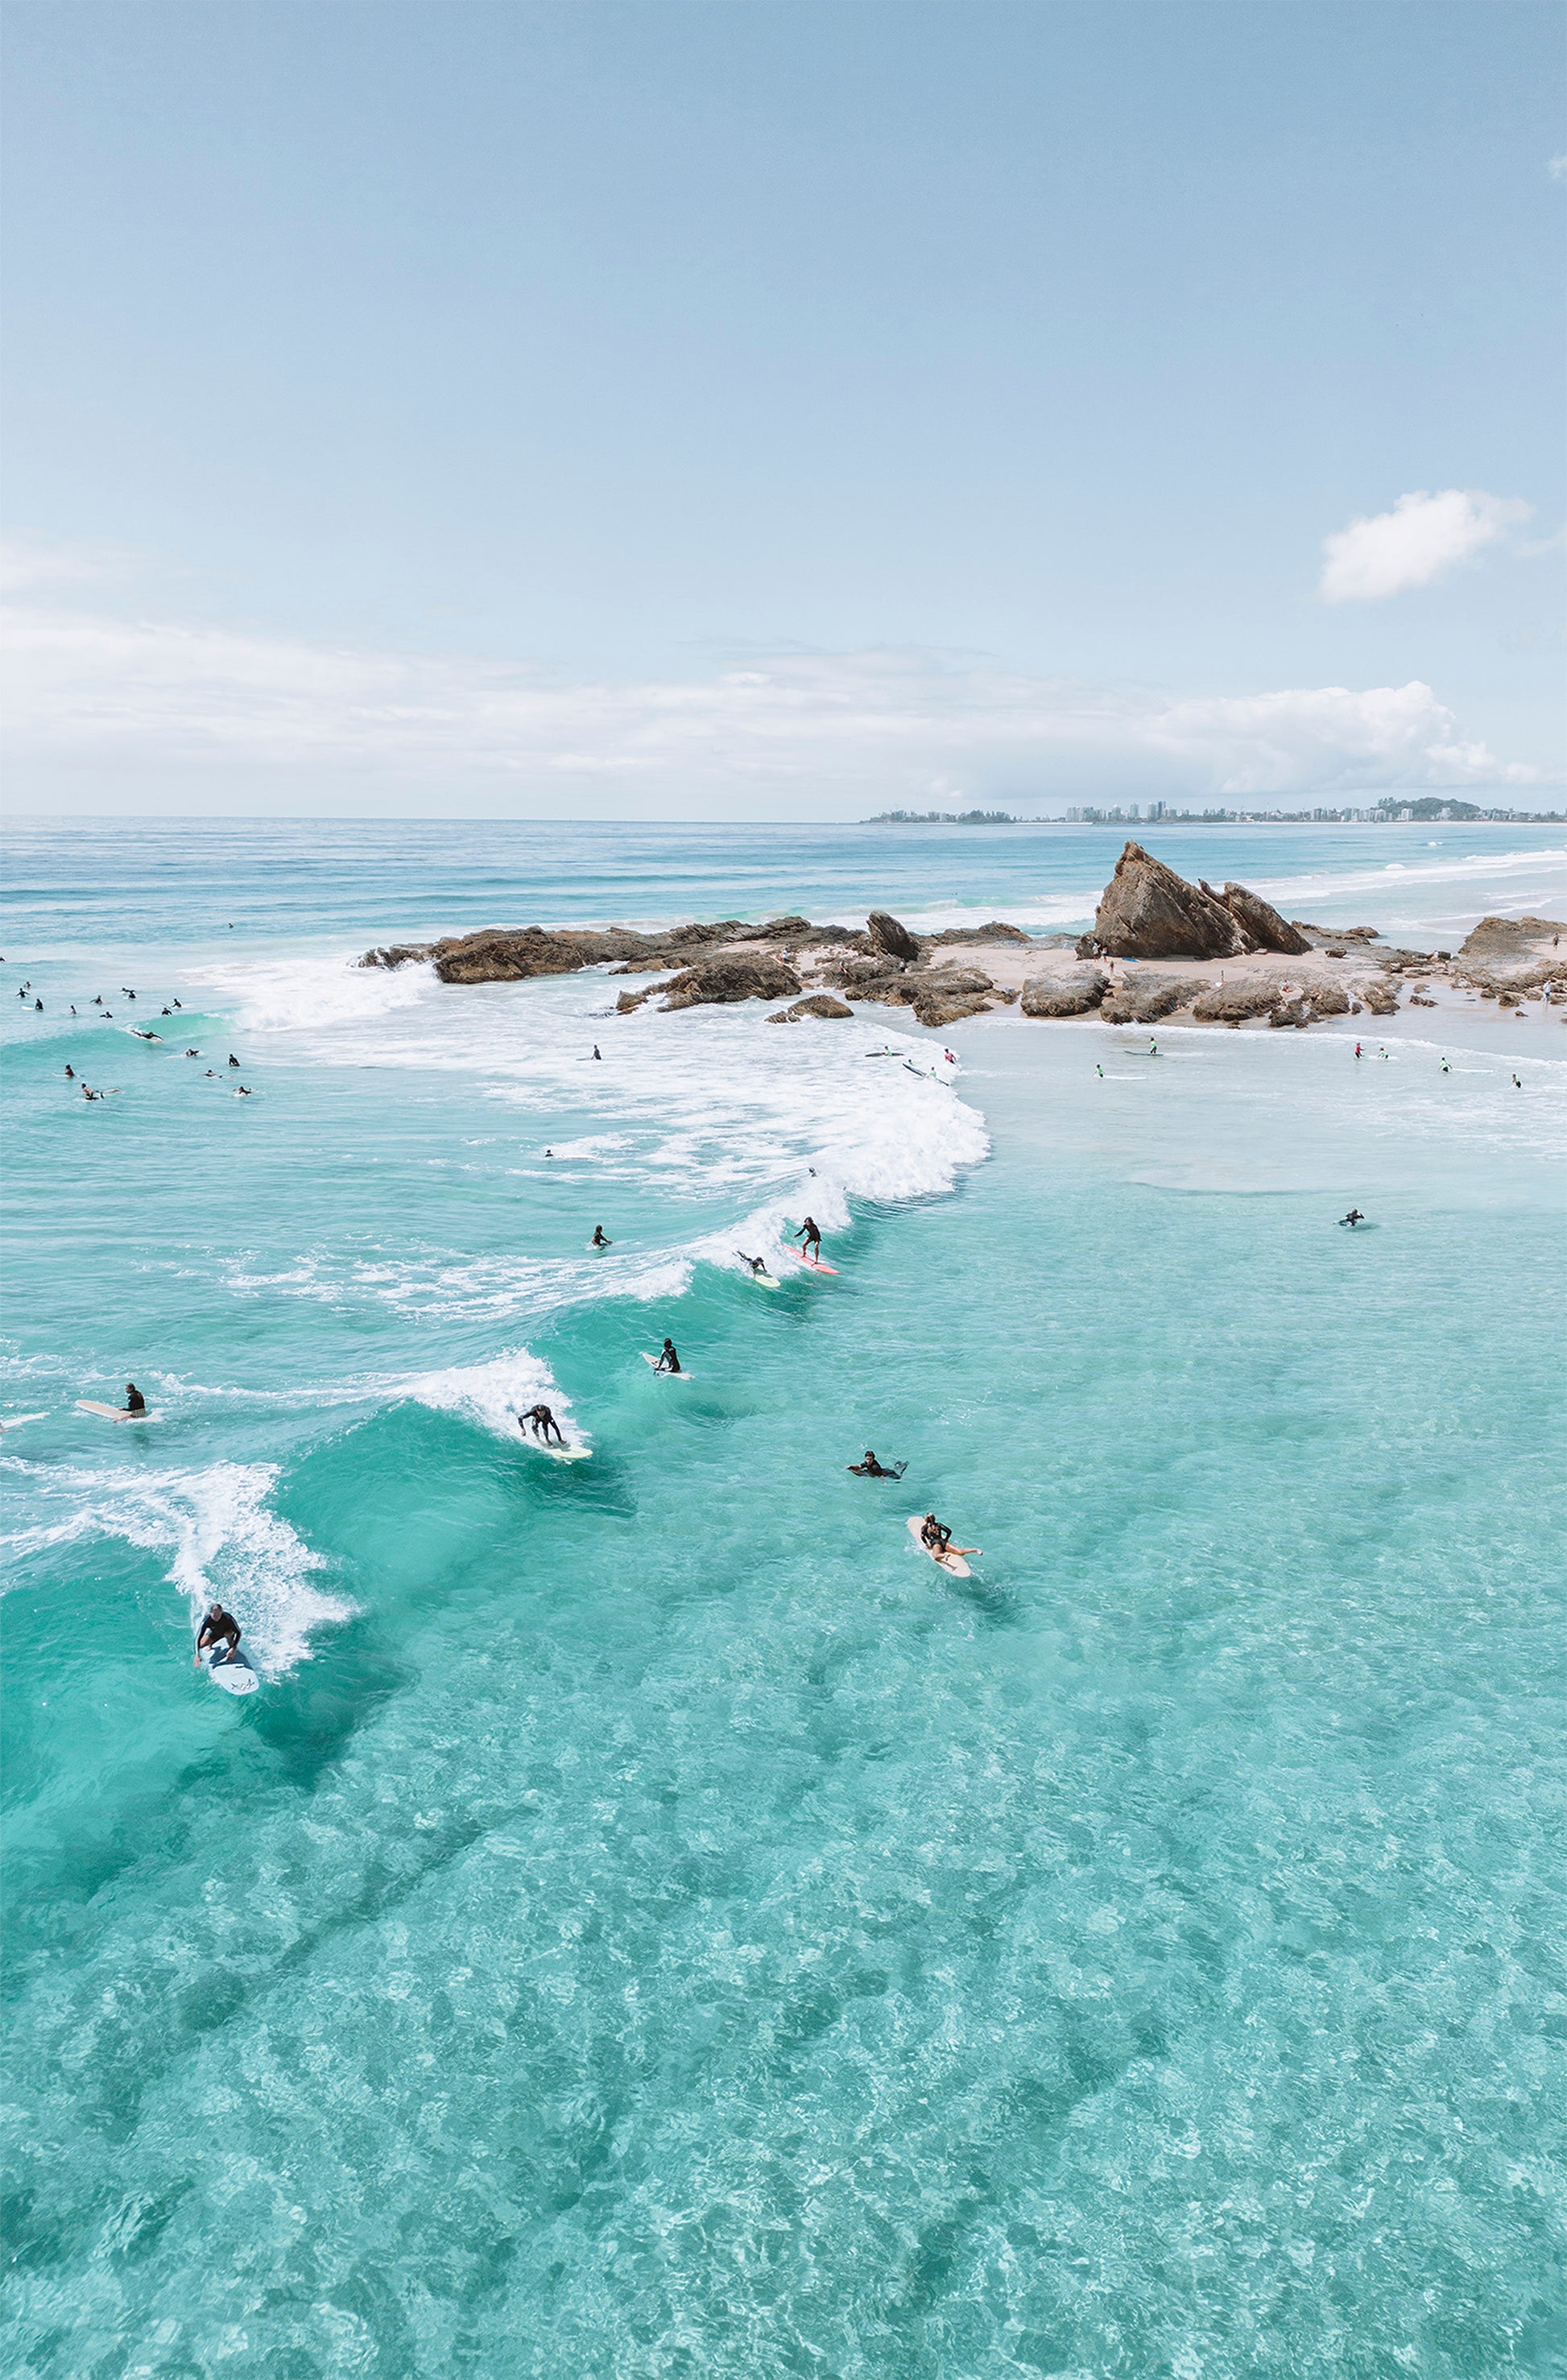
1244 995
820 1003
1504 938
1065 995
887 935
1148 911
1261 921
1143 999
723 979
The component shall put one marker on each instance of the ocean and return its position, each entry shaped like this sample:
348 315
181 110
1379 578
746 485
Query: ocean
651 1921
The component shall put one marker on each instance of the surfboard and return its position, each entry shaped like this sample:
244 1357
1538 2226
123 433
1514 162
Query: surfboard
766 1281
236 1677
15 1421
954 1564
597 1247
113 1413
814 1264
652 1364
557 1453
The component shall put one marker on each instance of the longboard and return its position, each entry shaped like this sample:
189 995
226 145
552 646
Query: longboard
113 1413
236 1677
814 1264
652 1364
556 1453
766 1281
15 1421
954 1564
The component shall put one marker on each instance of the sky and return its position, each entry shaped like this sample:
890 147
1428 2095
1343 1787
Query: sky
781 410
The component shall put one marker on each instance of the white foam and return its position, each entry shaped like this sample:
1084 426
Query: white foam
224 1540
494 1393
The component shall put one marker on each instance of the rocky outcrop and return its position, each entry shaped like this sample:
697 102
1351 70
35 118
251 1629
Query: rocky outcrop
1501 938
1143 999
1065 995
721 981
1261 921
820 1003
1328 1000
631 1001
1148 911
1379 998
1318 936
936 1009
992 933
887 935
1244 996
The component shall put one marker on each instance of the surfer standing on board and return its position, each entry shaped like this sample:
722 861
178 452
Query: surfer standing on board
810 1239
220 1627
543 1422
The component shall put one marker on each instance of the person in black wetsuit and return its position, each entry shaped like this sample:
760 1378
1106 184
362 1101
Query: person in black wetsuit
1354 1216
543 1422
668 1360
220 1627
232 1059
871 1469
598 1240
758 1264
810 1239
134 1400
70 1073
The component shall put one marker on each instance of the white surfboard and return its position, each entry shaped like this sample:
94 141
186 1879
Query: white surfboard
652 1364
236 1677
766 1281
557 1453
113 1413
15 1421
954 1564
597 1247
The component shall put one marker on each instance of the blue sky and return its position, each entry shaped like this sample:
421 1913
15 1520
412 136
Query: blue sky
699 410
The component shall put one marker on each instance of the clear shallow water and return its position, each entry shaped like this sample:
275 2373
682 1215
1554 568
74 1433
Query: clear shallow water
651 1921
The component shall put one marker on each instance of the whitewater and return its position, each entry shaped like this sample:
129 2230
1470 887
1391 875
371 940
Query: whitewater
651 1921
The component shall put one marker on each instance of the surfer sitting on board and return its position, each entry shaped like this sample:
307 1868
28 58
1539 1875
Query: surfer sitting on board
598 1240
668 1360
938 1539
810 1239
134 1400
871 1469
543 1422
1354 1216
220 1627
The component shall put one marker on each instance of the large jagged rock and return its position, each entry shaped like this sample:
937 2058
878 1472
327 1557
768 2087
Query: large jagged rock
886 934
1143 999
1228 1003
936 1009
1328 1000
1065 995
723 979
1148 911
1500 938
1261 921
1379 998
995 931
1319 935
820 1003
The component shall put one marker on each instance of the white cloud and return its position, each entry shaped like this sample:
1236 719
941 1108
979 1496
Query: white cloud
1557 169
139 699
1421 538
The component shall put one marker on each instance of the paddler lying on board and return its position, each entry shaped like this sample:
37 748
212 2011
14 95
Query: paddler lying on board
220 1627
543 1422
758 1264
871 1469
937 1541
810 1239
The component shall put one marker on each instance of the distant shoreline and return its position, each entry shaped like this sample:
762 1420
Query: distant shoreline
1409 815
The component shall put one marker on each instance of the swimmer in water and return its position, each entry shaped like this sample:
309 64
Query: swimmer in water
543 1424
1099 1072
1358 1048
668 1360
1446 1068
1354 1216
70 1073
871 1469
598 1240
1516 1084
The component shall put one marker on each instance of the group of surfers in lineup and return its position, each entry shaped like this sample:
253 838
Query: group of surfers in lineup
538 1422
141 1033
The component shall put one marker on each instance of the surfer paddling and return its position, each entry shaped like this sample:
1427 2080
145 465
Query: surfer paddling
1354 1216
871 1469
543 1424
220 1627
756 1264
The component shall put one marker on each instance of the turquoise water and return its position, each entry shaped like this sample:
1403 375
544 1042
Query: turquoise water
649 1921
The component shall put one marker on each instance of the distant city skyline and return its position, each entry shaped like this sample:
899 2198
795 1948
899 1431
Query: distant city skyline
703 413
